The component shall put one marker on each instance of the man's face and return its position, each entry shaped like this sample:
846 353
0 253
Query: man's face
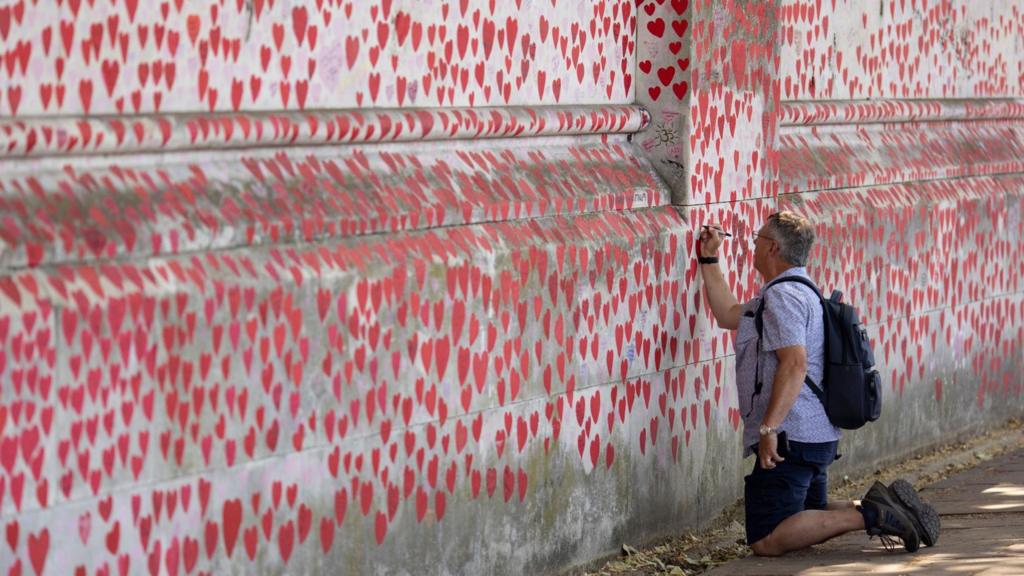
763 243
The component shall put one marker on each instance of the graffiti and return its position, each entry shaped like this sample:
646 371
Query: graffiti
663 60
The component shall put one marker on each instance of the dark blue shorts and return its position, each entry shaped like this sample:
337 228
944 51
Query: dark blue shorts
799 483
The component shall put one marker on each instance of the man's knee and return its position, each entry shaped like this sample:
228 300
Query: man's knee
765 547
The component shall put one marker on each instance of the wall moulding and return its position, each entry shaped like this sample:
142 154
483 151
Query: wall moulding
819 113
135 207
39 137
838 145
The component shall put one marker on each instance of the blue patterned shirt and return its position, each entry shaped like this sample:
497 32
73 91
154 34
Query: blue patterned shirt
792 316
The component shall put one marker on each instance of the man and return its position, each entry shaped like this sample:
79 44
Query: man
786 495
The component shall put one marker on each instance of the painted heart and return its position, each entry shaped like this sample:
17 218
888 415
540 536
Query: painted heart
39 549
231 520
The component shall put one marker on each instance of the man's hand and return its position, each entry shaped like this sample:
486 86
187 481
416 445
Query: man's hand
723 304
768 451
710 240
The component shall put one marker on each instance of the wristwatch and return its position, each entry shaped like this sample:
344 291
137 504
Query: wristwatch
765 430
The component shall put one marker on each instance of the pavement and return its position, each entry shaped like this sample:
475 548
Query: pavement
982 513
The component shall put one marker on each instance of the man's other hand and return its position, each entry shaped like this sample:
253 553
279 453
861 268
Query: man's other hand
768 451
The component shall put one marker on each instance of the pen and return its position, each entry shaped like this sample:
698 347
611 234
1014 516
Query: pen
720 231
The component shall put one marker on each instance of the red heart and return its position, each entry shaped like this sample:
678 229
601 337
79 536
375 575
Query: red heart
153 560
340 505
351 50
252 538
381 527
666 74
300 18
231 517
211 539
12 534
326 534
114 538
656 27
305 522
39 549
286 540
680 89
190 552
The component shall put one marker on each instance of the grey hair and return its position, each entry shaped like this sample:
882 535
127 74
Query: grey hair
795 235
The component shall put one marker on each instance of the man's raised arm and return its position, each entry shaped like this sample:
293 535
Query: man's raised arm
724 305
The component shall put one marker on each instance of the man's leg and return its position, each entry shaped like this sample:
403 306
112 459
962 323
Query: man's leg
808 528
817 519
816 524
812 527
782 495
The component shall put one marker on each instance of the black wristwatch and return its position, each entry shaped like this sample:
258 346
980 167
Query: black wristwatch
707 259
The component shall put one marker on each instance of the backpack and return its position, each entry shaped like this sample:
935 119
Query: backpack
851 389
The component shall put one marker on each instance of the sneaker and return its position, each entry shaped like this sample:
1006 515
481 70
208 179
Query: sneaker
924 517
893 520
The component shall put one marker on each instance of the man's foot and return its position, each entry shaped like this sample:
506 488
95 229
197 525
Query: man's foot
891 519
920 513
925 518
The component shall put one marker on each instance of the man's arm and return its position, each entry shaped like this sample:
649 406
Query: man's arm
724 306
789 379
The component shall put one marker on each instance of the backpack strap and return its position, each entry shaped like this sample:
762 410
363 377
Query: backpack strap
759 325
758 321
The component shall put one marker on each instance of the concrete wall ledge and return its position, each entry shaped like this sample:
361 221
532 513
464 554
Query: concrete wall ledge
845 112
101 210
48 136
836 145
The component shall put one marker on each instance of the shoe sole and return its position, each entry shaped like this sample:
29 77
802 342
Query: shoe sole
880 496
923 515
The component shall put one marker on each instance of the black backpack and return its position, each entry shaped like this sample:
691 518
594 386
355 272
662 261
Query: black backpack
851 389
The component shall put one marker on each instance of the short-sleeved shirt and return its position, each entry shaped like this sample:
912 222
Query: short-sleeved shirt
792 316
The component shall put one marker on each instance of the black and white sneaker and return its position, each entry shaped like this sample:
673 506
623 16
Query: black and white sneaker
925 518
892 521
